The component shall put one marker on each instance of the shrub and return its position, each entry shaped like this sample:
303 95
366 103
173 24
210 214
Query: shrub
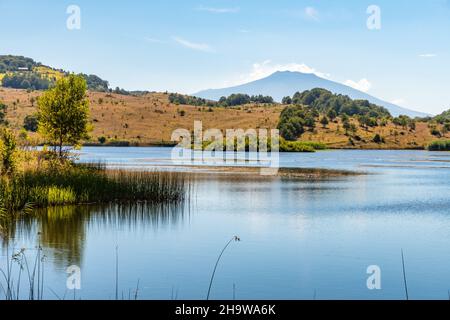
102 140
30 123
378 139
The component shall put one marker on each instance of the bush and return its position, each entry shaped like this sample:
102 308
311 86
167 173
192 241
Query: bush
30 123
435 132
102 140
378 139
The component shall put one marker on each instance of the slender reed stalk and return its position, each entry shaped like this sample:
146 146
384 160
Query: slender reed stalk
137 290
404 276
234 239
117 272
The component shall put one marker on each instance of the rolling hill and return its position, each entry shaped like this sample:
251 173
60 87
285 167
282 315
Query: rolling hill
151 118
286 83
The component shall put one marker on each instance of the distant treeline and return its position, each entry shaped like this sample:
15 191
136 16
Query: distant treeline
26 80
325 101
9 63
236 99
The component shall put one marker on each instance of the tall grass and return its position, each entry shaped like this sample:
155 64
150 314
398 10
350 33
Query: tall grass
20 274
443 145
86 184
301 146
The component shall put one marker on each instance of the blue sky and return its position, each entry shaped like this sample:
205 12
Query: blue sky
187 46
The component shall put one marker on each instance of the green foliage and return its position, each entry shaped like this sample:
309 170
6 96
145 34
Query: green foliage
95 83
64 112
332 114
30 123
294 120
9 63
77 184
443 117
286 100
439 146
402 121
231 101
324 121
310 104
323 101
102 140
435 132
239 99
300 146
8 152
121 91
378 139
21 74
3 108
189 100
26 80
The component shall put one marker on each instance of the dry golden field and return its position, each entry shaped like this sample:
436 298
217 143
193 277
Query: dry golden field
151 119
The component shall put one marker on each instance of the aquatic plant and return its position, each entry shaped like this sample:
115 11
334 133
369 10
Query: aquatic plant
82 184
441 145
234 239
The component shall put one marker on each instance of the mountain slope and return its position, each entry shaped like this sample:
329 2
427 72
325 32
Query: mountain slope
286 83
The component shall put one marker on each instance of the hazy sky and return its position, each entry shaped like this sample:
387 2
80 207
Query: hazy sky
187 46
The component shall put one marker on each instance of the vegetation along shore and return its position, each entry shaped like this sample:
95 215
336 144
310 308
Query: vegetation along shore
30 179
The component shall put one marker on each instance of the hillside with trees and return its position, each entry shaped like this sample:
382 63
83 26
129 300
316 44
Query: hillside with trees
19 72
319 105
150 119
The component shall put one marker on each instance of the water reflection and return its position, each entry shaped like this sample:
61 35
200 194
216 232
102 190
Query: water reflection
62 231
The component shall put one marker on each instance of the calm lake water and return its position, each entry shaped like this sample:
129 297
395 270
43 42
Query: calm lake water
300 239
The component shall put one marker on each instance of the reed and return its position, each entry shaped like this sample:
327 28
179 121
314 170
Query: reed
234 239
441 145
404 276
11 279
88 184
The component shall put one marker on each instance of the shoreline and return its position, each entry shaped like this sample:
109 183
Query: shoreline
169 145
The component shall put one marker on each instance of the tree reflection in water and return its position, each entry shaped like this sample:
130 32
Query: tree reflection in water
62 231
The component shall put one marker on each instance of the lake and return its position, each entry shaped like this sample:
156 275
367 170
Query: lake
299 239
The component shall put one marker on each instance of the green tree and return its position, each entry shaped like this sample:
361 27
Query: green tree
332 114
30 123
287 100
64 113
378 139
324 121
102 140
7 151
3 108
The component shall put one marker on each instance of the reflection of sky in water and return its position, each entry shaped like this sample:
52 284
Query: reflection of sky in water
297 236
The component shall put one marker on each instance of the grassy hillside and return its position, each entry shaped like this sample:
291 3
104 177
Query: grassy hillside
151 119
